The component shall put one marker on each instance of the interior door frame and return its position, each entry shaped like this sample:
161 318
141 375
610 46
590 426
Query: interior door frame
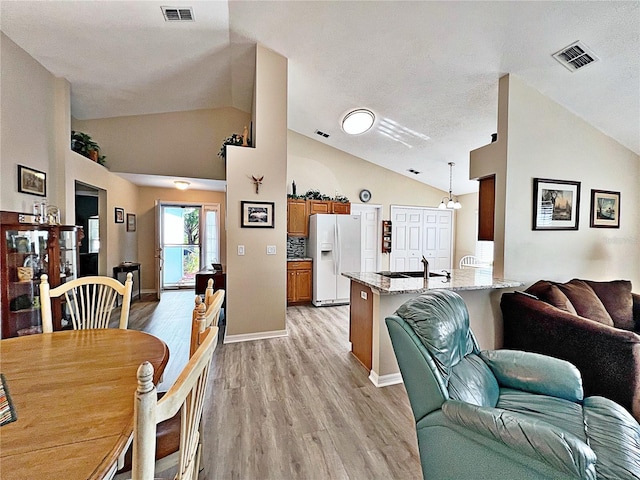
360 208
159 254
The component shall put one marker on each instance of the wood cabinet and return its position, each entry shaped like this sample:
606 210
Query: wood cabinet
319 206
486 208
361 324
341 208
298 212
299 281
297 218
28 251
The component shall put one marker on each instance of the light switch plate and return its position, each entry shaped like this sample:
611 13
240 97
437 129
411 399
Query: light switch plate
271 249
240 249
363 295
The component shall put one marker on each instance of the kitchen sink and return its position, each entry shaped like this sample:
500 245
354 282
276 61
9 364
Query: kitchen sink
409 274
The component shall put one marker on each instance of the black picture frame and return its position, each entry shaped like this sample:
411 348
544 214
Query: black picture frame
257 214
556 204
131 222
32 181
119 215
605 209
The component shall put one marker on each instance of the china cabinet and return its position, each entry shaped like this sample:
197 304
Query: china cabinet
29 250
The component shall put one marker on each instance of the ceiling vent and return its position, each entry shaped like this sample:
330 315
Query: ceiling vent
322 134
174 14
575 56
415 172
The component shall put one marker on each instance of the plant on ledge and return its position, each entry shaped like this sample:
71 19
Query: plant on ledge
83 144
316 195
234 139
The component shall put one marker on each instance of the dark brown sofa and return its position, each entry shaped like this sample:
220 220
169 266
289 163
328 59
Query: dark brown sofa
594 325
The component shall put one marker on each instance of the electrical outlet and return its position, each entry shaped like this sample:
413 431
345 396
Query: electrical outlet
271 249
363 295
240 249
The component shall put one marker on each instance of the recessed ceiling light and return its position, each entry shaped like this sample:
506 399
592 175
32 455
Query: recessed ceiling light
358 121
181 185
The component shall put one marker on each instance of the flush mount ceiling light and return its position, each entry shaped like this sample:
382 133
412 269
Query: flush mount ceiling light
181 185
358 121
449 202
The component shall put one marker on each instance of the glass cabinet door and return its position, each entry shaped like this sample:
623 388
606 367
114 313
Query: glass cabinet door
27 259
68 255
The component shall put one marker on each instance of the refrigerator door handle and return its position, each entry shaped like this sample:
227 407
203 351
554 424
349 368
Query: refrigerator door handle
338 249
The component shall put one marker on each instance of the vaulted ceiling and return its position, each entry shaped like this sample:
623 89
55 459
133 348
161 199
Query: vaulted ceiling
429 70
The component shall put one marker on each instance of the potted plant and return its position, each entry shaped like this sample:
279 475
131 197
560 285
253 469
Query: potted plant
83 144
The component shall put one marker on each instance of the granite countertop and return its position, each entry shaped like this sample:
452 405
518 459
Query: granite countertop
461 279
299 259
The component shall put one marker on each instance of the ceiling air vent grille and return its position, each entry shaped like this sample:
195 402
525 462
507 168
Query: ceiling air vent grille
173 14
575 56
322 134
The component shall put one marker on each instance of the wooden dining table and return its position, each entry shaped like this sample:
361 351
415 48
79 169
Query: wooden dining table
73 394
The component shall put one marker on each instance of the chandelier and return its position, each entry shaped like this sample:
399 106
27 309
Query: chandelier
449 202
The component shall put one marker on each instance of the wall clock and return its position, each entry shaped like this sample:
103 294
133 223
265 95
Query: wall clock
365 195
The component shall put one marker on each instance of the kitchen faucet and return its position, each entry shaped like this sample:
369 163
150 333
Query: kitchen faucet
426 267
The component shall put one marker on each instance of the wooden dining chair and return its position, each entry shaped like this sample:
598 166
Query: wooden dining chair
89 301
468 260
186 396
168 438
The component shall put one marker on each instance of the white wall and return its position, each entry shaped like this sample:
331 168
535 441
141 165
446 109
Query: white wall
547 141
182 144
537 138
26 124
256 282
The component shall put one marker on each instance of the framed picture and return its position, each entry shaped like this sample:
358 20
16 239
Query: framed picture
257 214
119 215
605 209
33 182
131 222
556 204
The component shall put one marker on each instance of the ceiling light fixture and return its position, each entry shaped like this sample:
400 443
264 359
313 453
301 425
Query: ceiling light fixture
358 121
449 202
181 185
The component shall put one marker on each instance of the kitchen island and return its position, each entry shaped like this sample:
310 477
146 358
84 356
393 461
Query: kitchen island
375 296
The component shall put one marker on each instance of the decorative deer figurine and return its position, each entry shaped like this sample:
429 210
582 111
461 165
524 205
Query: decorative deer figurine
257 182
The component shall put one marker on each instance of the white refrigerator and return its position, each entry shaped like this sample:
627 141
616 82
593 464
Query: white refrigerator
334 245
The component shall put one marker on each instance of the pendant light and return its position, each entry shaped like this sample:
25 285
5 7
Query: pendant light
449 202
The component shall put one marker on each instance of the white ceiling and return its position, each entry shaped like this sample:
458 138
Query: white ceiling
429 70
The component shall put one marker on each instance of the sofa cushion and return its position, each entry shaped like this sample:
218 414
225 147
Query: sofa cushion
549 293
617 299
585 301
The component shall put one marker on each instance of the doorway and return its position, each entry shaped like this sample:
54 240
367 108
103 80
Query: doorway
371 231
188 239
87 199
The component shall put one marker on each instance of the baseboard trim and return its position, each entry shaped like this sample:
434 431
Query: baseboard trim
248 337
385 380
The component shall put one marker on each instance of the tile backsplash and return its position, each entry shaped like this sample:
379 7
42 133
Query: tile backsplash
296 247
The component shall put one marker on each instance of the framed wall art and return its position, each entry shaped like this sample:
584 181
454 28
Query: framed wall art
556 204
131 222
31 181
605 209
257 214
119 212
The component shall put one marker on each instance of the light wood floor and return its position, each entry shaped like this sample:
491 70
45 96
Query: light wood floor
296 407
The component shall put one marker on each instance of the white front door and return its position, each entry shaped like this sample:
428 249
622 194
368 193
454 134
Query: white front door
406 239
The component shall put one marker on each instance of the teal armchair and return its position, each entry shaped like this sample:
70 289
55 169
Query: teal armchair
502 414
